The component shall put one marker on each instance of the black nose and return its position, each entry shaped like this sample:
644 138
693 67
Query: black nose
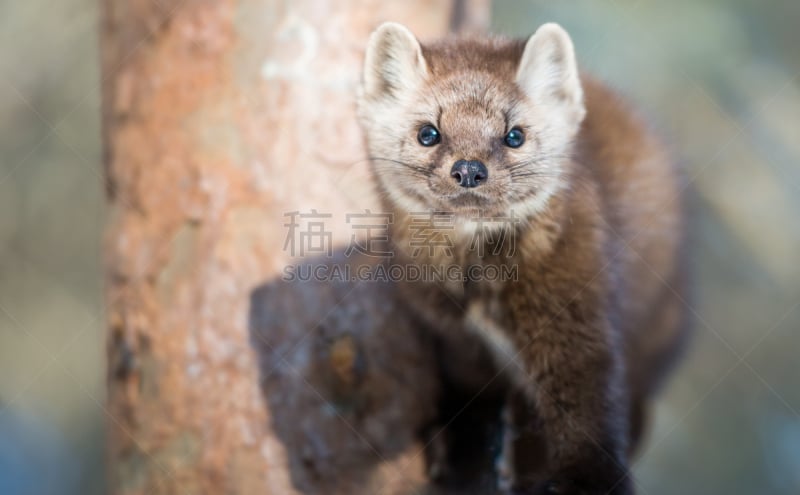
470 173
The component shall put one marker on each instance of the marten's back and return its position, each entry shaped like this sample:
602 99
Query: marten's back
641 188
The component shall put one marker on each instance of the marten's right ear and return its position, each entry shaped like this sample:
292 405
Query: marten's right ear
394 63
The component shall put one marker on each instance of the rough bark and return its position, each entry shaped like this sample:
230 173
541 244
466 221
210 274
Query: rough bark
219 117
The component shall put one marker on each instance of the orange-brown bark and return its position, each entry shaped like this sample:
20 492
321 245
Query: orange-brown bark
219 117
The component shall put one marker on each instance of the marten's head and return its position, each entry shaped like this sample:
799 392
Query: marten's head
470 124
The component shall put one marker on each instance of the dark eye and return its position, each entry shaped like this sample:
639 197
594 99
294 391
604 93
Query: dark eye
514 138
428 136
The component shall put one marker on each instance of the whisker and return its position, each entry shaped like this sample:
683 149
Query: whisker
422 170
537 161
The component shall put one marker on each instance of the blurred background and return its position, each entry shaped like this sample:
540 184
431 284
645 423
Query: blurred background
721 80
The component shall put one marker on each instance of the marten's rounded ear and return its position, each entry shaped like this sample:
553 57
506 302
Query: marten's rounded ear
394 62
548 72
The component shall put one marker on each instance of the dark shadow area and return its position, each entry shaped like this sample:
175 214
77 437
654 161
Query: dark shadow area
348 375
363 397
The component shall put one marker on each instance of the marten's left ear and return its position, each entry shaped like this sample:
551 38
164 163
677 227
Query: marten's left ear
548 73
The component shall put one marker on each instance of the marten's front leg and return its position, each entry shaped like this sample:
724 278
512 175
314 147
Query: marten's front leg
576 389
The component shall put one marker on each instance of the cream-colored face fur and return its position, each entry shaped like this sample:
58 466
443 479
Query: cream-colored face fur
473 92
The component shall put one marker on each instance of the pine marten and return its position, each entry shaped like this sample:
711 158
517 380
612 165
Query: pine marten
548 370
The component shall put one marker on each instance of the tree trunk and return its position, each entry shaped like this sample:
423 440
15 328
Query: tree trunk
219 118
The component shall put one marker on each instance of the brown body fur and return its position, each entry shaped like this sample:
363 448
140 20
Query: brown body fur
577 343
